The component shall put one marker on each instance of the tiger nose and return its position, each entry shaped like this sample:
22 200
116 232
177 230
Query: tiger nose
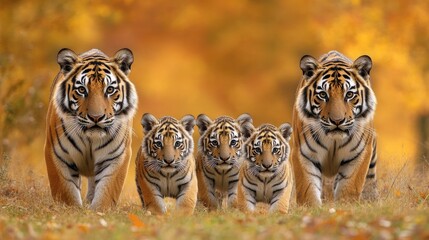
224 158
337 121
267 165
96 118
169 161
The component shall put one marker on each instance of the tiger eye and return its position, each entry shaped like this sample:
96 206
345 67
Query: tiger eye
110 90
81 90
323 94
349 94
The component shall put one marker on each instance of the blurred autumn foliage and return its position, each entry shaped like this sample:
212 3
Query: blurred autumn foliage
215 57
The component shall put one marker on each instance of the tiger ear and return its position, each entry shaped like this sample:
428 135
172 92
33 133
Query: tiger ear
245 121
203 122
247 128
148 121
286 131
124 58
308 66
188 121
66 58
364 65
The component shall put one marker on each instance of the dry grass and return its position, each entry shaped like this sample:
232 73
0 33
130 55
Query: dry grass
28 212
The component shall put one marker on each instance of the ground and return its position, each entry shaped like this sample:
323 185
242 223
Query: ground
402 212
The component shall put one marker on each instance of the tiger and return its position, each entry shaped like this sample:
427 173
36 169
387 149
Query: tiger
89 126
165 164
266 173
219 151
335 137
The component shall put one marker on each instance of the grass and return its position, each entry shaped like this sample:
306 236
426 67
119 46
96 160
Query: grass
28 212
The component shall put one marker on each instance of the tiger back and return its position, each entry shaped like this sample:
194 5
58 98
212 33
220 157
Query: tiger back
88 126
266 173
165 165
333 122
218 159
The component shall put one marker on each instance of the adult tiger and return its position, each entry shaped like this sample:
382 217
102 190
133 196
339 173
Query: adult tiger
165 165
266 173
219 151
88 126
333 121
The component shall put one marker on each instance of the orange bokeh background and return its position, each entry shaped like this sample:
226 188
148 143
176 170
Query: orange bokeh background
213 57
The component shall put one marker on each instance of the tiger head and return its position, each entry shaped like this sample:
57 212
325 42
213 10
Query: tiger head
167 143
93 91
335 97
221 140
267 148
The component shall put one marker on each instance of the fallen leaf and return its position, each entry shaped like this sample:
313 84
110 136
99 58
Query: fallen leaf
84 227
135 220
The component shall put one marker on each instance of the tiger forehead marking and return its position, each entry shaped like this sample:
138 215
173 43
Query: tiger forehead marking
224 126
222 139
267 148
336 92
95 90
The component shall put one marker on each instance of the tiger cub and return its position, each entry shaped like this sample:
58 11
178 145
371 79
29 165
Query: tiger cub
89 127
219 151
266 173
165 165
333 118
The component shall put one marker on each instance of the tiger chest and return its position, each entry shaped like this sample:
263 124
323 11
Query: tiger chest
224 177
173 184
268 188
92 154
339 153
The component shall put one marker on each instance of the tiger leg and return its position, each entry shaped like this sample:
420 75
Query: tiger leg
206 191
351 178
109 180
186 202
308 180
370 191
281 202
91 190
64 178
245 199
232 193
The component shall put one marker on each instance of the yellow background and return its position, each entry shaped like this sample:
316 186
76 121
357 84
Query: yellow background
213 57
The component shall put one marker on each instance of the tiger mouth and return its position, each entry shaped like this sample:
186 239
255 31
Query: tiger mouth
95 128
337 130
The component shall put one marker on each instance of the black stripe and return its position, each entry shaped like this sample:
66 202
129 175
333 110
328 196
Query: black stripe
121 144
101 166
273 202
314 162
347 161
313 135
251 201
308 145
71 166
98 180
314 175
231 194
249 188
370 176
184 185
346 143
275 192
106 143
148 179
232 181
59 142
71 140
71 180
